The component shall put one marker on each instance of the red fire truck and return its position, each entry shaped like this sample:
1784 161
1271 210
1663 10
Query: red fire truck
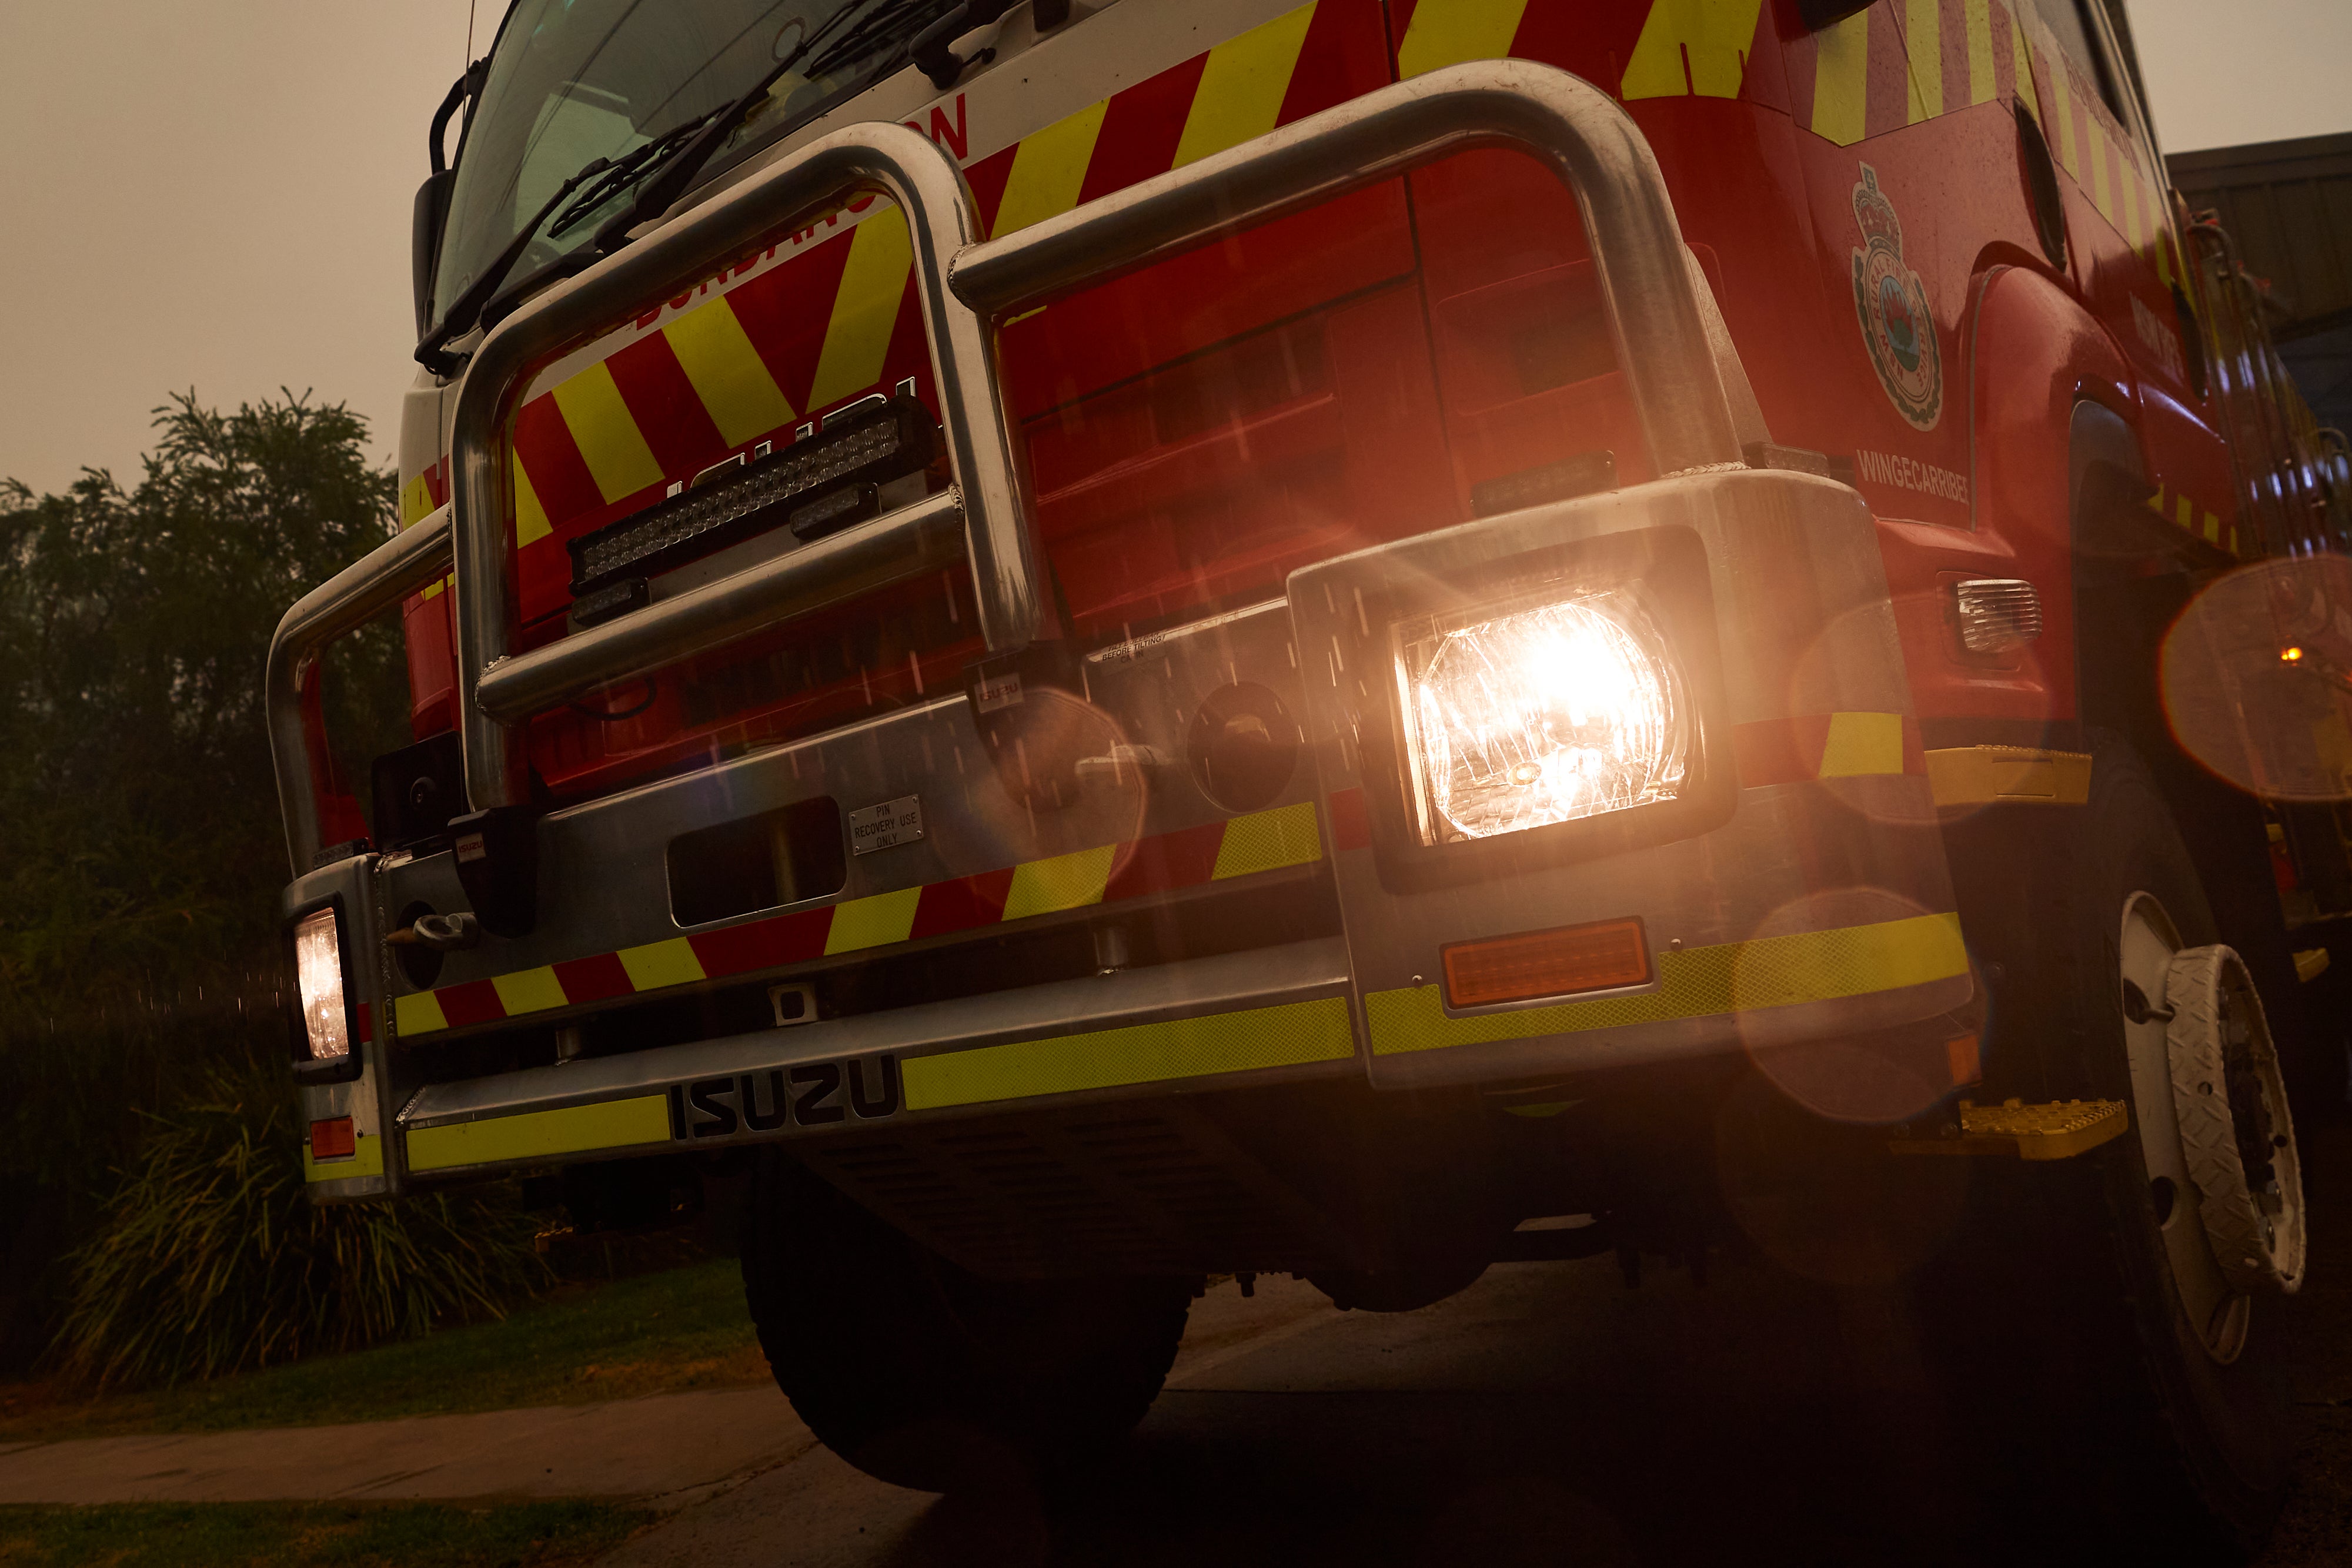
1108 642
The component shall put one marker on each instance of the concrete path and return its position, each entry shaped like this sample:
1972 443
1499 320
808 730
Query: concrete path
674 1450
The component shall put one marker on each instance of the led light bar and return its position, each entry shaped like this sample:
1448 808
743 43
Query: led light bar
896 437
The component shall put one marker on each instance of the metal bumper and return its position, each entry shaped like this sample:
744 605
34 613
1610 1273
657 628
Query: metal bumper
1787 920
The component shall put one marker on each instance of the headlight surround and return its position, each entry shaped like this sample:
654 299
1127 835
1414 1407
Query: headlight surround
1553 706
318 982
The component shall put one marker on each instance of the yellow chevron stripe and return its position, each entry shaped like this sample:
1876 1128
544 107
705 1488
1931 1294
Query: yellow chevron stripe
1064 882
1289 1035
1923 48
875 920
1049 169
1979 25
530 517
606 433
741 398
2102 185
865 309
530 991
2023 63
658 964
1841 80
416 502
1241 86
1712 34
1268 840
1447 32
2062 109
418 1014
1863 745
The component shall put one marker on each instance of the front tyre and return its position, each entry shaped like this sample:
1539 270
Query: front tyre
925 1375
2117 1383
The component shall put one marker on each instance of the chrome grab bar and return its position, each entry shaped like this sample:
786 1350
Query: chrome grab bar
964 287
910 542
1575 129
406 563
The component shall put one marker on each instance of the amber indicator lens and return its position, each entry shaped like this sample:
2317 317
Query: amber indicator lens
1600 956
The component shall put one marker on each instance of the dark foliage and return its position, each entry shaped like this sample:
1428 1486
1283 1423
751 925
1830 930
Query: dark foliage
141 850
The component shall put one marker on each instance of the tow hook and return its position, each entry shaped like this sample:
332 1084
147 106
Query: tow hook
442 933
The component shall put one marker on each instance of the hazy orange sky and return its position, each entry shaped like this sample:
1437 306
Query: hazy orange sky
216 193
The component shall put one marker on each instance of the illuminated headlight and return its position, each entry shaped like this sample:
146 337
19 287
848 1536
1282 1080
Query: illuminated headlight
318 977
1523 717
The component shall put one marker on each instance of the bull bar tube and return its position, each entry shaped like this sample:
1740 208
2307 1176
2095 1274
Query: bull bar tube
1667 338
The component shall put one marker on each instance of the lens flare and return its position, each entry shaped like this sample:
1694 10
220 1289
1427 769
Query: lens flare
1546 715
319 974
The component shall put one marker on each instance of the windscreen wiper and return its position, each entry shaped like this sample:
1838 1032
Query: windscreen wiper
609 176
656 194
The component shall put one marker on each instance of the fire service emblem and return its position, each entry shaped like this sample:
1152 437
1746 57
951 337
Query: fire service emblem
1896 326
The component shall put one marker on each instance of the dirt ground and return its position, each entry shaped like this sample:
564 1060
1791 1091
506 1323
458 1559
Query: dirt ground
2317 1526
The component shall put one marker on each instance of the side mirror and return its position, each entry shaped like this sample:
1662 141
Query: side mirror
425 240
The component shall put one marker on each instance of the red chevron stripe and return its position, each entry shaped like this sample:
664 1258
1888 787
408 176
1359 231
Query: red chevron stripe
558 475
962 904
668 411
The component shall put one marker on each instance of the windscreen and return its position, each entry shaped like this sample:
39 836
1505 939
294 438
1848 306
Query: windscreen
574 80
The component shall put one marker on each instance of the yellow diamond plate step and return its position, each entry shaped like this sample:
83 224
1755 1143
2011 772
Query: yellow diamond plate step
2057 1131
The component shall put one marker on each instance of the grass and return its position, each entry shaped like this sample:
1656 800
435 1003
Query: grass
303 1534
652 1333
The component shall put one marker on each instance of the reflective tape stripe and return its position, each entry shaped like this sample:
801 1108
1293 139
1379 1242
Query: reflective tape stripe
1923 34
1699 982
1064 882
366 1160
1691 47
418 1014
618 459
1285 1036
1841 80
1982 88
536 1134
865 309
728 374
1049 170
1242 87
873 921
416 502
1447 32
1861 744
1189 857
1269 840
532 990
659 964
530 517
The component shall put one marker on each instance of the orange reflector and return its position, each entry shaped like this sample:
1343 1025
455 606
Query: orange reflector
332 1139
1594 957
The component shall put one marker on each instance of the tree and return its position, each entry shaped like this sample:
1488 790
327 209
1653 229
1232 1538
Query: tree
142 850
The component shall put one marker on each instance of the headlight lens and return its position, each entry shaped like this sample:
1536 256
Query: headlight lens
319 976
1547 714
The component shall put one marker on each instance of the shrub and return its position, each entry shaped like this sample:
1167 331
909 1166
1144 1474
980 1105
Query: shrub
209 1257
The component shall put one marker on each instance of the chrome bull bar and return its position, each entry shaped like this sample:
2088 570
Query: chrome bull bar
1658 319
